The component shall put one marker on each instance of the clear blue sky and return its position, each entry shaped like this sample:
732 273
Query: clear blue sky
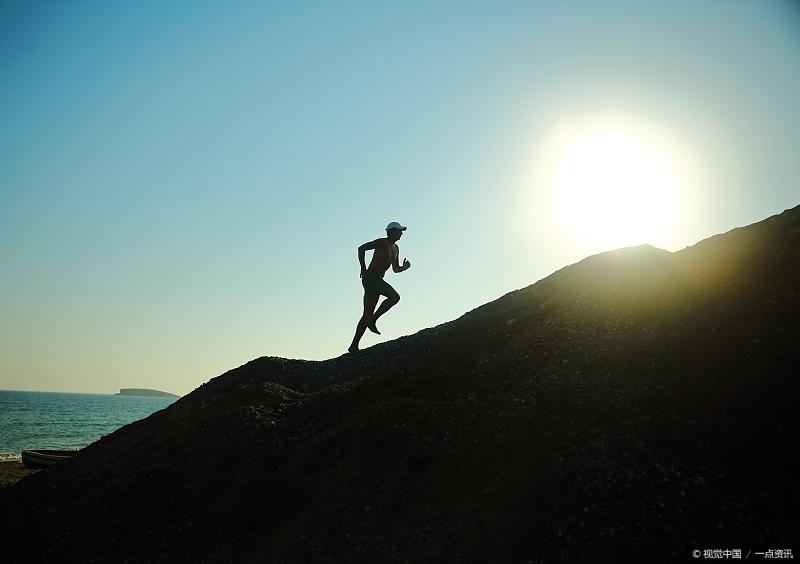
183 185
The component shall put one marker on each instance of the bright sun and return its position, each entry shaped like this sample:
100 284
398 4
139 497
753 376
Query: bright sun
611 189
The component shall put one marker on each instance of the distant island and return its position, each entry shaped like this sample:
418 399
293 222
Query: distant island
145 392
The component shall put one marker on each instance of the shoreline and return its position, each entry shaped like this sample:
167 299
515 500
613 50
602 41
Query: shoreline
12 471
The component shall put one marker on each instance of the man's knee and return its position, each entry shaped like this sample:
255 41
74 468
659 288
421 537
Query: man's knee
395 298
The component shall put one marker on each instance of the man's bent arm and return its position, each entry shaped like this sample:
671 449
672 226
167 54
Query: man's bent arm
363 249
361 252
396 263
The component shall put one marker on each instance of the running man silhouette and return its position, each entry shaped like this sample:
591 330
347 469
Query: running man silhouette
386 253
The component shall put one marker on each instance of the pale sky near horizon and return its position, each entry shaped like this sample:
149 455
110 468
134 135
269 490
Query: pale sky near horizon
183 185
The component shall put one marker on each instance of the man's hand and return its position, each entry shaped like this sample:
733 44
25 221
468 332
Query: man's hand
406 264
363 272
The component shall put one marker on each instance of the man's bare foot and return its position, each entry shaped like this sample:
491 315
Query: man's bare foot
353 348
372 327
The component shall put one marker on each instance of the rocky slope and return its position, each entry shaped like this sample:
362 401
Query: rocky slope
621 409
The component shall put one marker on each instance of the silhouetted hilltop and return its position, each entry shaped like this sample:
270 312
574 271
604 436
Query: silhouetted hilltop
145 392
617 410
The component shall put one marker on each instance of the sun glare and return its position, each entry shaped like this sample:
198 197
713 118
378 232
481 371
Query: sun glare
611 189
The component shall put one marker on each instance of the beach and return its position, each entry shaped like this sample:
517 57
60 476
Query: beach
12 471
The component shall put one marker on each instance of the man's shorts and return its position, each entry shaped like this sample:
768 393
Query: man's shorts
374 284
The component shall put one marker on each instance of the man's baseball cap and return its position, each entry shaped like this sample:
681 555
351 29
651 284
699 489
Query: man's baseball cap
395 225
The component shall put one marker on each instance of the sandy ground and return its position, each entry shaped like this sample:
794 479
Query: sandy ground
12 472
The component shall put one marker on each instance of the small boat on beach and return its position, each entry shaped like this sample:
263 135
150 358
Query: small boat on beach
42 458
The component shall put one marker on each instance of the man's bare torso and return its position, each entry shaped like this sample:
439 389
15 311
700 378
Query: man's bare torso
382 257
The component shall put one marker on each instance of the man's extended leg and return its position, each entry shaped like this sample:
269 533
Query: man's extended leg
366 318
392 297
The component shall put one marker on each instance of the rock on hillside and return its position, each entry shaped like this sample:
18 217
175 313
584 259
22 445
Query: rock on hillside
621 409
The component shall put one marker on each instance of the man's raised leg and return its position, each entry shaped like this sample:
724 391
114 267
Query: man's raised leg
392 297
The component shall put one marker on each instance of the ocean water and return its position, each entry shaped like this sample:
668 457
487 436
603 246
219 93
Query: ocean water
64 421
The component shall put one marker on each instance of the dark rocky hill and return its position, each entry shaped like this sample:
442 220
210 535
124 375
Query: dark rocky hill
621 409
